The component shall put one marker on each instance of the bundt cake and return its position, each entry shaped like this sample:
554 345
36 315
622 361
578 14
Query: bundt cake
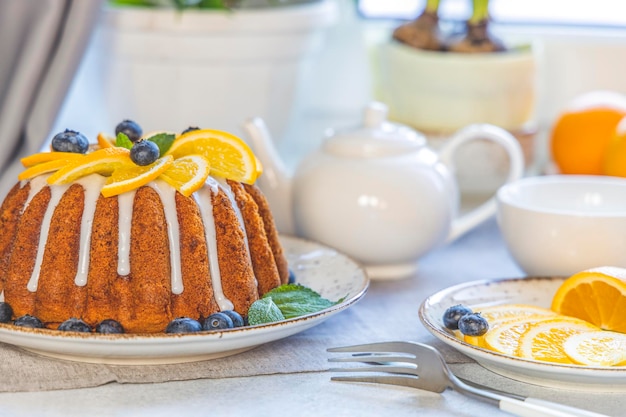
142 257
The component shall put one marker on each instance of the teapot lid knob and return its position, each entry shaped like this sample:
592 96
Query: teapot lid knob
376 137
375 114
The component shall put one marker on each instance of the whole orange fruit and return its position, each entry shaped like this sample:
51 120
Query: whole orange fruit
583 131
615 158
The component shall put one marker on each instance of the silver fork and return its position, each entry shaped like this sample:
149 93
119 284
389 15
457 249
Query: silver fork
421 366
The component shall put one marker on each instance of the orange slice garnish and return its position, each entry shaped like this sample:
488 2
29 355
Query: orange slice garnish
597 295
105 141
42 157
131 176
229 156
187 174
103 161
43 168
259 167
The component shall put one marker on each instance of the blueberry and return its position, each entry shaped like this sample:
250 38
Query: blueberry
74 325
292 277
6 312
190 129
217 321
28 321
130 129
144 152
70 141
235 317
473 324
183 325
453 314
109 326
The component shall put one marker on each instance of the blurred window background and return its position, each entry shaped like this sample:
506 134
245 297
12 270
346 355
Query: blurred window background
580 44
601 13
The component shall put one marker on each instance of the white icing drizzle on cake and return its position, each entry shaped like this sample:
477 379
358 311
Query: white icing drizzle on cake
92 185
203 199
125 203
168 198
55 197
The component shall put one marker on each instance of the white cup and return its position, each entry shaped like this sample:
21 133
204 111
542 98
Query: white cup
558 225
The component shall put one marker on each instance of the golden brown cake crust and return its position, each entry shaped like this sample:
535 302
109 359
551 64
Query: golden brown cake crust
238 282
270 231
197 300
22 261
58 297
10 213
150 281
142 301
261 254
106 291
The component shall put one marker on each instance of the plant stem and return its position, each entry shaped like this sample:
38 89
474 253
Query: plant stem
432 6
480 12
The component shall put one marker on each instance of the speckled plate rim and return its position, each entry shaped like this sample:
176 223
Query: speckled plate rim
531 290
332 274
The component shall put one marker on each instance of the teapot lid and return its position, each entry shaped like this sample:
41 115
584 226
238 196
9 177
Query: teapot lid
377 137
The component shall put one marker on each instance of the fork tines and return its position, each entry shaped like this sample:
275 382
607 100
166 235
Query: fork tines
391 362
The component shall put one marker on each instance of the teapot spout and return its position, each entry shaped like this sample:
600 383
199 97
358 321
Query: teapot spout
276 181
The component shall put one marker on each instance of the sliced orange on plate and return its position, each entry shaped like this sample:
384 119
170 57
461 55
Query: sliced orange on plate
187 174
601 348
584 326
229 156
503 313
597 295
543 340
504 337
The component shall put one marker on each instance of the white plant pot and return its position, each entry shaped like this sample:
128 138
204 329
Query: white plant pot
169 70
442 92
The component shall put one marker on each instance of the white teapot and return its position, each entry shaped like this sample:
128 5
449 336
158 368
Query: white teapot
378 194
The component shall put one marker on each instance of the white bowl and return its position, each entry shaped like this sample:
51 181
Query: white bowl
563 224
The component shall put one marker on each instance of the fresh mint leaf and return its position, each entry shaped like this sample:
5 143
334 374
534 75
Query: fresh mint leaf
122 141
296 300
264 311
163 141
286 302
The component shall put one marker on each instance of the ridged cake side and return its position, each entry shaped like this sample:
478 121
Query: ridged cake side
185 256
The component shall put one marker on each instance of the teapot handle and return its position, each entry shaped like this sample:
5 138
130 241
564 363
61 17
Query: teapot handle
473 218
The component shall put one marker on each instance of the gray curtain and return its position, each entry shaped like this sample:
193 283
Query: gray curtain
41 45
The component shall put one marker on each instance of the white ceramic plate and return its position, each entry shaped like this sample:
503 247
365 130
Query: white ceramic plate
322 269
531 290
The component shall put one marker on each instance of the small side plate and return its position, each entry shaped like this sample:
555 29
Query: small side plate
531 290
